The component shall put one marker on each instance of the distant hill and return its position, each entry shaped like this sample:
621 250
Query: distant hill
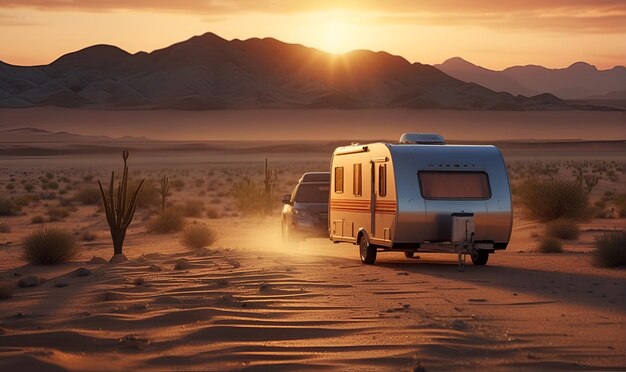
207 72
578 81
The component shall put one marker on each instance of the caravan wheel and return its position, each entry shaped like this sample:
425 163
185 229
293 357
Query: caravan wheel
480 257
367 251
409 254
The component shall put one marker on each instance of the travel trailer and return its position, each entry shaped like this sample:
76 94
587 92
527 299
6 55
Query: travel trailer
420 195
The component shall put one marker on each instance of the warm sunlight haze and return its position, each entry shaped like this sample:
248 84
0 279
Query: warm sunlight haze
555 34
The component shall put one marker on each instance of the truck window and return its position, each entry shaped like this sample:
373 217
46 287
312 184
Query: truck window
357 182
339 180
454 185
312 193
382 180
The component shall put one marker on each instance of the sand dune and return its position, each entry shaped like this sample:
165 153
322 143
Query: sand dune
276 307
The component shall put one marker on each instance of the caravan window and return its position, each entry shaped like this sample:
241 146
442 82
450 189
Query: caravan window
382 180
357 181
339 180
454 185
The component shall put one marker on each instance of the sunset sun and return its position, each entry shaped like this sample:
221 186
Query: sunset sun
337 36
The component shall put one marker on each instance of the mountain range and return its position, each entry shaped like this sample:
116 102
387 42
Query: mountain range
578 81
208 72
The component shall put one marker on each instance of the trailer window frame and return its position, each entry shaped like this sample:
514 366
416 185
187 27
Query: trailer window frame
338 183
486 175
357 179
382 180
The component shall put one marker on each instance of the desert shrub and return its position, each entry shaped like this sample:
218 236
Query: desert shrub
88 196
29 187
563 229
56 213
52 185
177 184
620 203
550 245
47 196
611 249
251 198
37 219
24 200
198 236
169 220
212 213
552 199
49 246
5 228
193 208
148 195
8 207
10 186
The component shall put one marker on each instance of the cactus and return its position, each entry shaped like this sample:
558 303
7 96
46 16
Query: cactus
165 190
269 180
591 180
119 211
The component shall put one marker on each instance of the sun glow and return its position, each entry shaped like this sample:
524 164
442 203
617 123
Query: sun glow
337 35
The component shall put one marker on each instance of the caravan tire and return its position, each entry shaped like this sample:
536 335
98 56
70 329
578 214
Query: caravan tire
480 257
409 254
367 251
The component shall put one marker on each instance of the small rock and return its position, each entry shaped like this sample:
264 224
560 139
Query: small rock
118 258
82 271
459 325
61 284
96 260
133 342
264 286
181 264
155 267
222 282
139 281
202 252
29 281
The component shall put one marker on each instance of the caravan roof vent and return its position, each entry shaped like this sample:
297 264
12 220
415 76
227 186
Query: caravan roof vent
422 138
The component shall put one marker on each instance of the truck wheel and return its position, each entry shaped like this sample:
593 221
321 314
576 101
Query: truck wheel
409 254
480 257
367 251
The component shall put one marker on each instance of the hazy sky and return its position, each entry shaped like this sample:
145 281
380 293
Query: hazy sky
494 34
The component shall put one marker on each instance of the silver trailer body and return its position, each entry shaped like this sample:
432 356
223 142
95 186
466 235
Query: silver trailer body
419 196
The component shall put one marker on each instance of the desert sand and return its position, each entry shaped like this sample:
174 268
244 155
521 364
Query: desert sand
250 302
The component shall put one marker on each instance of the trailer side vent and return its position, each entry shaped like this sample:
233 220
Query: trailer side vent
422 138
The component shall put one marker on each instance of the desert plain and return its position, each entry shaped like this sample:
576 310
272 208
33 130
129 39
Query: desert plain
249 301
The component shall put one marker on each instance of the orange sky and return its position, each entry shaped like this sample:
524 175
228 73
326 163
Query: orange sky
494 34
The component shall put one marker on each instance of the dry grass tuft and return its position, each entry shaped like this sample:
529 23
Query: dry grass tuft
551 199
49 246
198 236
170 220
563 229
550 245
611 249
